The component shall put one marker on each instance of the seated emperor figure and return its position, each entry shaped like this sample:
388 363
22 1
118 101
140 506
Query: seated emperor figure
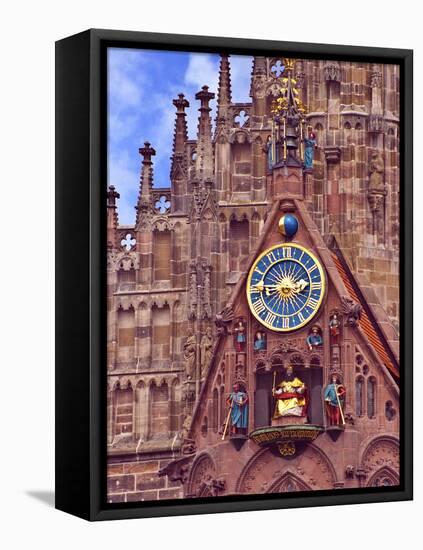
290 396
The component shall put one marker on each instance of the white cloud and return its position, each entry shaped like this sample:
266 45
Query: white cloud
126 181
202 70
241 66
161 135
121 126
126 79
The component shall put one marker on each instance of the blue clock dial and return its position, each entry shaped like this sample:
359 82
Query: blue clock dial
285 287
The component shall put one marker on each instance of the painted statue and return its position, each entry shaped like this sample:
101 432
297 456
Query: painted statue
291 396
334 397
376 173
309 146
314 339
238 403
240 337
206 348
189 354
259 341
269 152
334 325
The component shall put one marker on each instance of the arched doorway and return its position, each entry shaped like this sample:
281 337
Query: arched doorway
266 472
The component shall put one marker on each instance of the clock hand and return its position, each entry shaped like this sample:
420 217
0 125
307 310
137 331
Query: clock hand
259 286
300 285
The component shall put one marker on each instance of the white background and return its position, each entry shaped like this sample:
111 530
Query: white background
28 32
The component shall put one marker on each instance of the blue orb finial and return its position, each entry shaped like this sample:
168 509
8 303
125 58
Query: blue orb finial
288 225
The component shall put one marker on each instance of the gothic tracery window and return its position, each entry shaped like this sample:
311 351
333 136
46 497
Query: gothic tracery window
384 478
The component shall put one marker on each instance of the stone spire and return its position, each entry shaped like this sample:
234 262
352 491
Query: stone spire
224 95
112 216
258 74
204 161
259 65
181 132
112 195
145 196
178 165
376 114
258 86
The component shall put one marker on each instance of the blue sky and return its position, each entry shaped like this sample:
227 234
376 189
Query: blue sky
141 87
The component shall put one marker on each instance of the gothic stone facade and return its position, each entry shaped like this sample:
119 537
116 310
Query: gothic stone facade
172 362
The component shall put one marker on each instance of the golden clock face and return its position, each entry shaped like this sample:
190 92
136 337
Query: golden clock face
285 287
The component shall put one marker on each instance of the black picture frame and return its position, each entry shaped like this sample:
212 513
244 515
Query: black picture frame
80 273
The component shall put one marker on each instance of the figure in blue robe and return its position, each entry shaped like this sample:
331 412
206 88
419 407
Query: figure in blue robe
314 339
238 401
259 341
309 145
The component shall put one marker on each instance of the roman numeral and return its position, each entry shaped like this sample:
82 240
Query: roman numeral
259 306
286 252
272 257
316 286
270 317
285 322
301 317
312 269
312 302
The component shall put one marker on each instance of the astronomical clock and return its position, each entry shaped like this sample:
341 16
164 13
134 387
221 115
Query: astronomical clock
285 287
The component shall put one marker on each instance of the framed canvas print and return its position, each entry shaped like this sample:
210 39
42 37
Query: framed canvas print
234 274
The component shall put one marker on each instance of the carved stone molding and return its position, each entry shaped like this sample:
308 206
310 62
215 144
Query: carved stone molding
332 154
376 201
376 79
375 123
352 311
332 71
192 313
122 260
178 470
223 319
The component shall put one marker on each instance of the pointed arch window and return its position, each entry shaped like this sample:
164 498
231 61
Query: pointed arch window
359 396
161 255
215 410
123 413
222 406
371 397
